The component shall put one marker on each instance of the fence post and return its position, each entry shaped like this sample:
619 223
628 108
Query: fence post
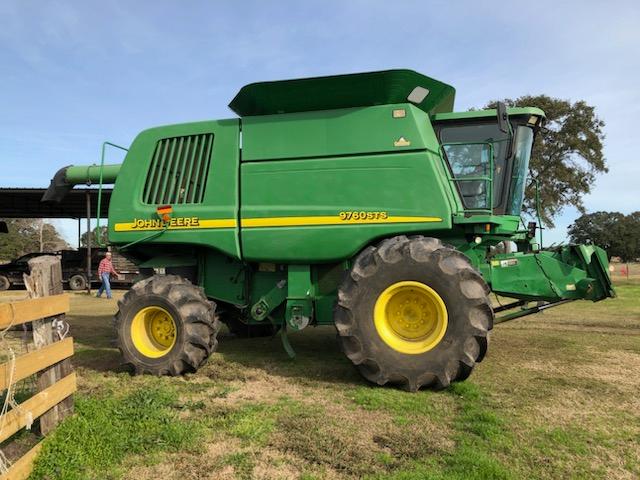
45 279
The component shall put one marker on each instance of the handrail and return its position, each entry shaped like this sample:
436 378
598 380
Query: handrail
98 232
538 209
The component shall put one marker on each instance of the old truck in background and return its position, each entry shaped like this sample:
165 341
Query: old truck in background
74 269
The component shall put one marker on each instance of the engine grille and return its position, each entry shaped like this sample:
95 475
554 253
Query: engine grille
179 169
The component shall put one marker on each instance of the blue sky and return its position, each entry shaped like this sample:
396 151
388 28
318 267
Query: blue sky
73 74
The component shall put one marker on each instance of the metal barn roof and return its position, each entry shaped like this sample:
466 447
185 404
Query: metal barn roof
25 203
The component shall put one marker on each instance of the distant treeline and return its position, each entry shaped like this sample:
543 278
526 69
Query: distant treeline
617 233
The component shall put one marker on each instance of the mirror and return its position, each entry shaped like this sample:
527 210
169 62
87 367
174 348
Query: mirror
503 117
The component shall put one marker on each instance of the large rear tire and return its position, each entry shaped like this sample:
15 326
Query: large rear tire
4 283
413 312
166 326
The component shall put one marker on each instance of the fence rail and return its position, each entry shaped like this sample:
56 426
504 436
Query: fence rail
49 361
17 313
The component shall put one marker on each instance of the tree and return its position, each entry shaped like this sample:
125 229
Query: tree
567 154
94 237
618 234
629 244
599 228
28 235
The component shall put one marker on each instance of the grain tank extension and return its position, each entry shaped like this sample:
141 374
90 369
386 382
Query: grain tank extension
361 201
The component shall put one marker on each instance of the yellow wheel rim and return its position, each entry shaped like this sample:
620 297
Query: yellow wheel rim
410 317
153 331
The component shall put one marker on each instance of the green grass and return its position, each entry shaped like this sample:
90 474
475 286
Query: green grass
242 463
105 431
556 397
396 402
478 434
252 423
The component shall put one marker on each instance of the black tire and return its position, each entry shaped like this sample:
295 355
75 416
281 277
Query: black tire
196 325
5 284
242 330
78 282
443 269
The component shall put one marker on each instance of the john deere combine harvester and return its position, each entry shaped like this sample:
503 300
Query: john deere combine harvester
356 200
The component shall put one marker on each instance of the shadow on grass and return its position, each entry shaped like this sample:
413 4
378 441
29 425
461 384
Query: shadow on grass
95 332
99 360
318 356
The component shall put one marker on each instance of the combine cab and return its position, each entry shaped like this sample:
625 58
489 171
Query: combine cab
361 201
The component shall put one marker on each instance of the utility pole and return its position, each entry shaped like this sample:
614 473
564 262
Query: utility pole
88 198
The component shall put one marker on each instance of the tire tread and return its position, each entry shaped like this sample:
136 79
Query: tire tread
451 263
200 323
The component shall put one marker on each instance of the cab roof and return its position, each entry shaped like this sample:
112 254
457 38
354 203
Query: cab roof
344 91
513 111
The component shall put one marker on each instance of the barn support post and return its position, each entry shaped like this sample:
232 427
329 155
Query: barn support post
88 197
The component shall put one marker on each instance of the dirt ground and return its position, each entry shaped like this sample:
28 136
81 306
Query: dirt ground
556 397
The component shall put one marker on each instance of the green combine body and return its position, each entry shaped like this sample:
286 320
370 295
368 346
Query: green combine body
357 200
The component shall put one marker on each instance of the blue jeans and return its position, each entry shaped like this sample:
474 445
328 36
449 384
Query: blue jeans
106 285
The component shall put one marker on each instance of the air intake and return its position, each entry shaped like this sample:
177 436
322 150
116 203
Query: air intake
178 172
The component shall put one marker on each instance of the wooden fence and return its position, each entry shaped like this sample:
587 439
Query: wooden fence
49 360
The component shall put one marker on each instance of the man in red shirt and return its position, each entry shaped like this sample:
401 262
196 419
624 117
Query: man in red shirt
105 269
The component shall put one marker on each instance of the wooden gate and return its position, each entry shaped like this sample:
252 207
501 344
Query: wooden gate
49 360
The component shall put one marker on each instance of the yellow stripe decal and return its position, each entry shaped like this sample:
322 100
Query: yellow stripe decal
196 223
328 220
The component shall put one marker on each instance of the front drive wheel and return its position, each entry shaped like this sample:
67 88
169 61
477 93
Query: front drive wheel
166 326
4 283
413 312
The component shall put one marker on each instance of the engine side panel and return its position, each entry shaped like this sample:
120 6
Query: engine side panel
211 222
325 210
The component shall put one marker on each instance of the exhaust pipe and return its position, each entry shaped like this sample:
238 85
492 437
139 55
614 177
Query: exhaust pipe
68 177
